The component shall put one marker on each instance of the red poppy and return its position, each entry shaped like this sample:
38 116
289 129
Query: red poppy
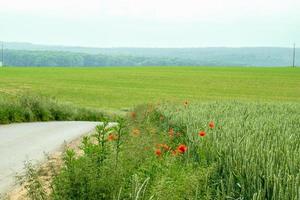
112 137
211 124
158 152
202 133
182 148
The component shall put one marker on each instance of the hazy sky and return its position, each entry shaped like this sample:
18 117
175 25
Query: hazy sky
151 23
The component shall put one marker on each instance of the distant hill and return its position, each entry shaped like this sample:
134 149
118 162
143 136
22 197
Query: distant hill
27 54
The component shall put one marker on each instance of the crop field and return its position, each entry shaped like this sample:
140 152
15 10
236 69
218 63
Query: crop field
125 87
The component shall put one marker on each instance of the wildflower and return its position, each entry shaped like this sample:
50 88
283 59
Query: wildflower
158 152
182 148
171 132
165 147
211 124
133 115
174 152
112 137
202 133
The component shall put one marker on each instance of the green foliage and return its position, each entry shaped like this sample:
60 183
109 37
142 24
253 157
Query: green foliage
85 177
39 55
67 59
251 152
33 183
28 108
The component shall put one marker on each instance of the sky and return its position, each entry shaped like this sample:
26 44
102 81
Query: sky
151 23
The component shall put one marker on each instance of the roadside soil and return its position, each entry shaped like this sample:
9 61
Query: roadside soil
19 192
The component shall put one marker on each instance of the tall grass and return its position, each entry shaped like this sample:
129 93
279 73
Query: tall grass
252 152
29 108
255 147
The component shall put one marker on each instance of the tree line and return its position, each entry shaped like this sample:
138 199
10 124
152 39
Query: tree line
56 58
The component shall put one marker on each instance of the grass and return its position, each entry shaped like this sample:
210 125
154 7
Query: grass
254 147
122 87
27 108
251 152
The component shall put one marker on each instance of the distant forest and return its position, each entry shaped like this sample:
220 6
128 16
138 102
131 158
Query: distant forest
24 54
57 58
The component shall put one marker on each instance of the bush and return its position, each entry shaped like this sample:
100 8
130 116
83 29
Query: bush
29 108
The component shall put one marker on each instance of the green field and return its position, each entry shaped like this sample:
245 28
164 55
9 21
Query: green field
123 87
251 150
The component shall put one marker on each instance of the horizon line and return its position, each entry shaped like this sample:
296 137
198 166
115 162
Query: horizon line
148 47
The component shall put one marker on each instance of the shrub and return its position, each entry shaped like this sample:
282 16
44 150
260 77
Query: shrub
29 108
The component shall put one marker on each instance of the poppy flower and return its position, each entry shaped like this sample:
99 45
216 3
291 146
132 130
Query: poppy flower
202 133
158 152
211 124
182 148
112 137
